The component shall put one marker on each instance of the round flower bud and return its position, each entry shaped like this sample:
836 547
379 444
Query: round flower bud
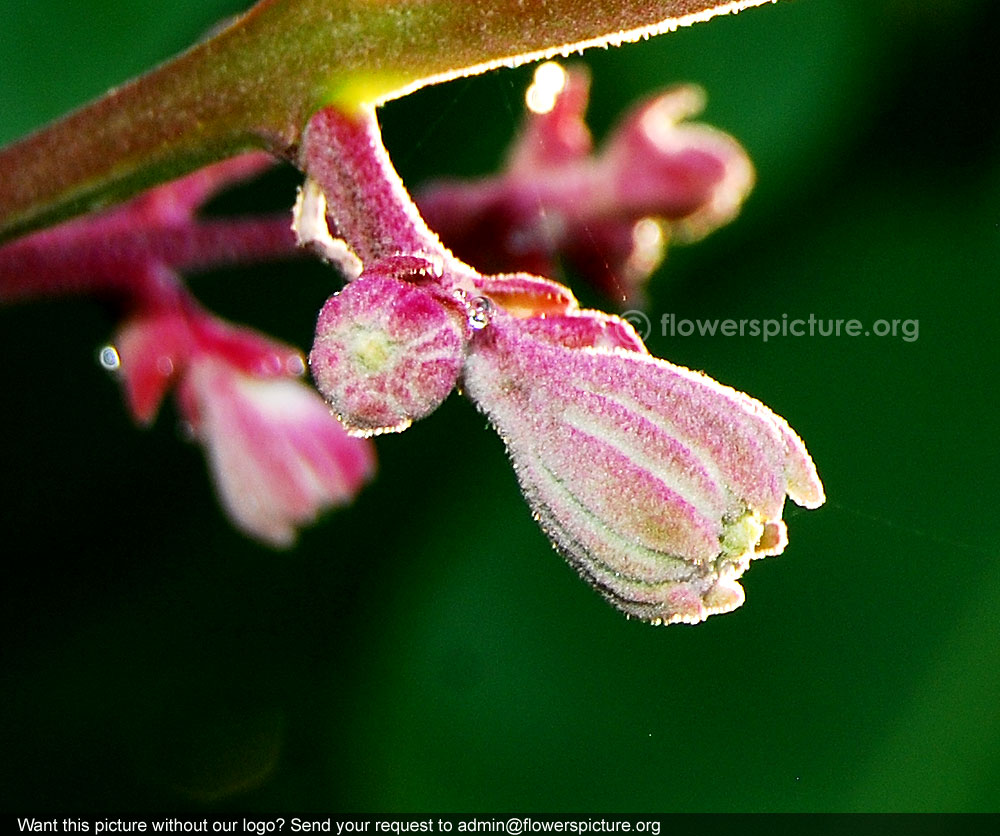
387 352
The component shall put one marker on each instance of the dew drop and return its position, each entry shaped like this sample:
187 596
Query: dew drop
295 366
109 358
480 313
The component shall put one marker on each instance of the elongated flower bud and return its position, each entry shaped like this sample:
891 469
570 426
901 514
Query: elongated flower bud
657 483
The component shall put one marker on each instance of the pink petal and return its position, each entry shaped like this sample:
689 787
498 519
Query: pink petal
608 215
585 329
559 134
524 295
278 458
243 348
662 166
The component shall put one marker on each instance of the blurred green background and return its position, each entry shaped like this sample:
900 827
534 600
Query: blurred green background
425 650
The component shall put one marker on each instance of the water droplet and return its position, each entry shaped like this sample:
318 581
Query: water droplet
480 313
109 358
295 366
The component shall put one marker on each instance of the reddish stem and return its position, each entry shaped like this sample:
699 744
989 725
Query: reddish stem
104 256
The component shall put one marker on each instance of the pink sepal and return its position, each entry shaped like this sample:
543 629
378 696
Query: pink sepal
151 350
524 295
245 349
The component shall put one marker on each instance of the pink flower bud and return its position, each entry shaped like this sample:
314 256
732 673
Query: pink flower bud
658 484
607 214
388 351
276 455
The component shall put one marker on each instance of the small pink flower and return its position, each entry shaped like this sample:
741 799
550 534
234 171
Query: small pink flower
658 484
277 456
608 214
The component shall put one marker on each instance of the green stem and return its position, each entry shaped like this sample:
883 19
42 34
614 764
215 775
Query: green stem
257 82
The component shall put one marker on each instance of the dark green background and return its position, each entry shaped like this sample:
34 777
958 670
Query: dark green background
425 650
